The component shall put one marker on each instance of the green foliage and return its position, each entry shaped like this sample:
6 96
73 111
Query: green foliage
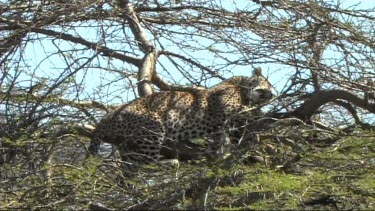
339 176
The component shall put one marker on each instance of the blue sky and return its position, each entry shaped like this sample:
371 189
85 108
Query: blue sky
35 56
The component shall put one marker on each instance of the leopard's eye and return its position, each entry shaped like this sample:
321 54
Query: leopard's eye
254 82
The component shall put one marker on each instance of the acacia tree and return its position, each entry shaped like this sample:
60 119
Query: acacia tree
65 63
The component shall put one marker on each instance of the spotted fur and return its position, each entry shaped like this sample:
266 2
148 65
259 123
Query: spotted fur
151 127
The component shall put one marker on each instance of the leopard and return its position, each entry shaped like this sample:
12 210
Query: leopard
162 125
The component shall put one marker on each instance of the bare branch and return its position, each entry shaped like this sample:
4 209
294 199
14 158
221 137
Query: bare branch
96 47
146 73
130 15
309 108
22 97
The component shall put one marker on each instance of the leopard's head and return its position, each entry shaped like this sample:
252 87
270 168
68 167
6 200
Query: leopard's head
257 88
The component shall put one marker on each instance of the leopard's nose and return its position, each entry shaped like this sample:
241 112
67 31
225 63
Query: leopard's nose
264 94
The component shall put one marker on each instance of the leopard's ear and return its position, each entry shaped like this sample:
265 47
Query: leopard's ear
257 71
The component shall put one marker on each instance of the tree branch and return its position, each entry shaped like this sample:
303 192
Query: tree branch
213 73
309 108
147 68
99 48
140 35
21 98
146 74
